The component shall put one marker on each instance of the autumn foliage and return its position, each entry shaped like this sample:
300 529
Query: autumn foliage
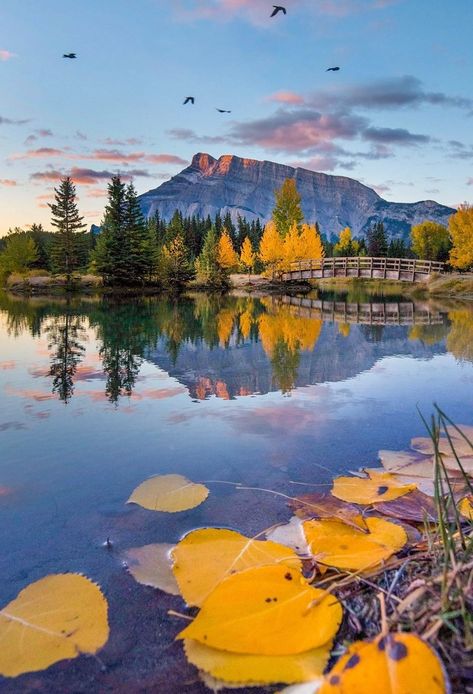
461 232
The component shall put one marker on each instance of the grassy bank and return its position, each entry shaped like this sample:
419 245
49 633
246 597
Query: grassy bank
452 285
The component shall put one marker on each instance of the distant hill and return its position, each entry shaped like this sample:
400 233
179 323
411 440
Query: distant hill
246 187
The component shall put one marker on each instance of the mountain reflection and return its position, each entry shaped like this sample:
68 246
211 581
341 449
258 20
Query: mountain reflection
229 346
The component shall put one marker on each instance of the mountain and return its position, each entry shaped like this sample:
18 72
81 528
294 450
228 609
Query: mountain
246 187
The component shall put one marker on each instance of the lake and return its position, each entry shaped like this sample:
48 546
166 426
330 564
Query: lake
98 394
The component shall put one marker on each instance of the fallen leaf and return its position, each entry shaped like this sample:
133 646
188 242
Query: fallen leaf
151 565
270 610
336 544
451 463
290 535
394 664
325 505
414 506
425 445
397 460
380 486
466 507
205 557
56 618
262 669
169 493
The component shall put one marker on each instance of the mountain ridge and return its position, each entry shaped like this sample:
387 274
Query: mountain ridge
242 186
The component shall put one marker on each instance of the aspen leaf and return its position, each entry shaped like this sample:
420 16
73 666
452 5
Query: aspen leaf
425 445
262 669
380 486
325 505
169 493
204 557
290 535
56 618
399 460
414 506
394 664
466 507
151 565
270 610
336 544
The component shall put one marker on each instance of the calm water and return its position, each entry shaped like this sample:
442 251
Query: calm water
97 395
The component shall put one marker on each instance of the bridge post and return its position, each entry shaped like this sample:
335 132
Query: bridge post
384 267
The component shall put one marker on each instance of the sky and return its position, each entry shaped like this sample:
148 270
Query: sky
398 116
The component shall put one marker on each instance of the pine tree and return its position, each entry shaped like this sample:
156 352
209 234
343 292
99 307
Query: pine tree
377 241
111 254
247 256
271 250
287 210
137 238
68 250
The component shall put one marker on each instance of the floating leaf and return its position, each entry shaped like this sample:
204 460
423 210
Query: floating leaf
380 486
466 507
169 493
451 463
262 669
325 505
306 688
336 544
425 445
206 556
393 664
397 460
58 617
151 565
270 610
414 506
290 535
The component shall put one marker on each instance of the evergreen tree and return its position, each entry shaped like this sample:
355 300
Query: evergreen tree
68 250
111 254
38 235
397 249
287 210
377 242
137 238
209 270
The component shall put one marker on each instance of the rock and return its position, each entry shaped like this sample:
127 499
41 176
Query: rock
246 187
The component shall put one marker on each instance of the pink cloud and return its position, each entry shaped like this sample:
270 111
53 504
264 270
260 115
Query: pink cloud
96 193
7 182
6 55
286 97
40 153
7 365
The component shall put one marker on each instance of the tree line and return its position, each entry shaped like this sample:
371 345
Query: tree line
130 250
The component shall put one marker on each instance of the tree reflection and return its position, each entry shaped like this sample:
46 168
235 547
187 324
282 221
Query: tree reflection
66 334
460 337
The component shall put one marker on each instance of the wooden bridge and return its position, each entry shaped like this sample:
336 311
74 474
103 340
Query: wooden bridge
375 313
399 269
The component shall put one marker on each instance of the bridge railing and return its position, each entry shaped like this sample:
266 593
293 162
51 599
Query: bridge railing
371 264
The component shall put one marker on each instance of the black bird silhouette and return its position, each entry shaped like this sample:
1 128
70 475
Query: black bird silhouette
189 100
332 69
278 8
69 55
222 110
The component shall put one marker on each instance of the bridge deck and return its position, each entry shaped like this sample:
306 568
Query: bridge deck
399 269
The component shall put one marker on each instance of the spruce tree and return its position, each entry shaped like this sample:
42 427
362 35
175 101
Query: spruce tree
377 242
137 238
68 250
112 251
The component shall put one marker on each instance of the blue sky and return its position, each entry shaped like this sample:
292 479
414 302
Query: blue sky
397 116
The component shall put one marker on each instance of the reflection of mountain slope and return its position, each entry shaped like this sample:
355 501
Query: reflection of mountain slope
246 369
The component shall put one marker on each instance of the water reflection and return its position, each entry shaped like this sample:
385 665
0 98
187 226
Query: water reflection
227 346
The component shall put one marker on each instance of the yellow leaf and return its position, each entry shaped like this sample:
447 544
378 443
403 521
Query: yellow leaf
206 556
380 486
262 669
334 543
393 664
466 507
58 617
270 610
169 493
151 565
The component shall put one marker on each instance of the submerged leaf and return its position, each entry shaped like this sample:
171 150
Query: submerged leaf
269 610
393 664
380 486
336 544
169 493
325 505
248 669
151 565
290 535
466 507
58 617
204 557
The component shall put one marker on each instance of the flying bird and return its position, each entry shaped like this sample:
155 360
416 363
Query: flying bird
189 100
332 69
278 8
69 55
222 110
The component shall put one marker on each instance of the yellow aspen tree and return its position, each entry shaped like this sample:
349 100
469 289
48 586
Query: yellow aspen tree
247 256
312 246
344 247
293 247
460 227
227 257
271 247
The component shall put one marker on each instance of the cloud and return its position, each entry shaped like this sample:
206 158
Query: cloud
396 136
79 135
187 135
84 176
8 182
117 155
469 182
286 97
121 143
13 121
6 55
36 134
40 153
96 193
